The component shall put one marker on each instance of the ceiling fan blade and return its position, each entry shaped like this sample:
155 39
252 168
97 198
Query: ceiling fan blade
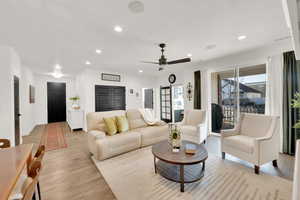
184 60
156 63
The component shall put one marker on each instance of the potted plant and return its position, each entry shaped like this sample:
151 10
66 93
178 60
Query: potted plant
75 104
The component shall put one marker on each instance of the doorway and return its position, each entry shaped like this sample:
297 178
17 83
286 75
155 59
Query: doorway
166 104
17 109
56 93
235 91
177 103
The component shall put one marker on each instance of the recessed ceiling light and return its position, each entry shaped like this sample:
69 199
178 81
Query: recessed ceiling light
242 37
98 51
141 71
87 62
57 66
189 55
118 28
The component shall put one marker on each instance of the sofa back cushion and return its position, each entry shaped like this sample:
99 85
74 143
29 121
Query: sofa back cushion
255 125
194 117
135 119
95 119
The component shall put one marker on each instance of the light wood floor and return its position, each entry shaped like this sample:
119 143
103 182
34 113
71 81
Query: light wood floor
70 173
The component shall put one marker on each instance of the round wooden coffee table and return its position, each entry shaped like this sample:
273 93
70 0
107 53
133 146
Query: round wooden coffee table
179 167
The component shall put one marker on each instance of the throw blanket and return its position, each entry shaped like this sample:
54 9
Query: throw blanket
149 117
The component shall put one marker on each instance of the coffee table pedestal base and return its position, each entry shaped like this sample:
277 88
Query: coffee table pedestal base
180 173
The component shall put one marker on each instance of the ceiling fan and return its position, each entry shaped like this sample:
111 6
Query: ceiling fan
163 60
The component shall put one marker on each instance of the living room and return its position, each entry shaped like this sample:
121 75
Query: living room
150 100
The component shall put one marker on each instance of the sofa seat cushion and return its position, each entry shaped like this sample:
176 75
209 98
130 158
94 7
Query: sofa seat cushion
240 142
118 144
153 134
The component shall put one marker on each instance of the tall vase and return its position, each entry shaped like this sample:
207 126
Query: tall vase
174 137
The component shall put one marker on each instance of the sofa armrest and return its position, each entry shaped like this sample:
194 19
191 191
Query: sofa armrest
229 132
93 136
202 129
266 148
97 134
160 123
263 138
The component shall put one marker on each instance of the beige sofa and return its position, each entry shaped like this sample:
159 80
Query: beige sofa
139 135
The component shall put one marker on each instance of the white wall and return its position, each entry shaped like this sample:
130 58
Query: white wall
242 59
10 66
183 75
26 109
40 112
86 81
6 105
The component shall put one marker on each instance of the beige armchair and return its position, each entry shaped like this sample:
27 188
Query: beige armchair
296 187
255 139
193 126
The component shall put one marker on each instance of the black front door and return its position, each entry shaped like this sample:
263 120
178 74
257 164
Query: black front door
56 93
17 109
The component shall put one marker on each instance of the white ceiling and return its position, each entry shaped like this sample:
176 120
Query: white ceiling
68 32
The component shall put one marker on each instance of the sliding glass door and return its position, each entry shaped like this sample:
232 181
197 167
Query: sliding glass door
224 108
252 84
239 90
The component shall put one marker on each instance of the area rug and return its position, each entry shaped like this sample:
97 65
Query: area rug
131 177
54 138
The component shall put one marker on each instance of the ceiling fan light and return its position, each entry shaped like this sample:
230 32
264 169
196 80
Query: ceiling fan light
57 74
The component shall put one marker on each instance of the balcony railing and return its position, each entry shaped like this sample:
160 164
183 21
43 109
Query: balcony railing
229 113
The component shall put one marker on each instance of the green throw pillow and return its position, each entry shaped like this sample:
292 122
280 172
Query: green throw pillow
122 124
111 126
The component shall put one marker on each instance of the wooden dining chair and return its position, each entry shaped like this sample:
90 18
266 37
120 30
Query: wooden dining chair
32 172
26 189
39 155
4 143
29 185
40 152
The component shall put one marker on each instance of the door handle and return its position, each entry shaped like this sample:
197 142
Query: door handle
19 115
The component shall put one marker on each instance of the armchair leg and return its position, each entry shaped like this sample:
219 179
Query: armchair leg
256 169
275 163
223 155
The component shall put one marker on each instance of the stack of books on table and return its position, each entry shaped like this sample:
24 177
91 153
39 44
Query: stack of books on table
190 149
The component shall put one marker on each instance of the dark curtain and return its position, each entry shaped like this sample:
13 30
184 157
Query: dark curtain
197 90
291 78
216 118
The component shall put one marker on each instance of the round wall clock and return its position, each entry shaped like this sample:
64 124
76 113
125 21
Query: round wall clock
172 78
